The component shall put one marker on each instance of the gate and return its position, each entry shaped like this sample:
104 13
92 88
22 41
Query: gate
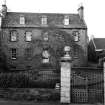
87 85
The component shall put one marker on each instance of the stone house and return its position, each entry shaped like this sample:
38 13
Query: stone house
96 49
29 40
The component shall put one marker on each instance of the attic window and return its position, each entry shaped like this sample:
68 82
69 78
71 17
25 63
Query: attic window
44 20
22 20
66 20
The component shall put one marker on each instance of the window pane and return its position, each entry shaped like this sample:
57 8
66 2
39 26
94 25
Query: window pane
76 52
28 53
45 36
0 21
44 20
22 20
46 56
13 36
76 36
13 51
45 60
66 20
28 36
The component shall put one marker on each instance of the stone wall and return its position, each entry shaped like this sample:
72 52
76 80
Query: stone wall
86 83
58 38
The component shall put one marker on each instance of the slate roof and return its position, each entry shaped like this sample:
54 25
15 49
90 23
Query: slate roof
34 20
99 43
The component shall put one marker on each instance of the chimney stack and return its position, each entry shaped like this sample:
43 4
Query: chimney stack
4 2
0 21
81 11
4 9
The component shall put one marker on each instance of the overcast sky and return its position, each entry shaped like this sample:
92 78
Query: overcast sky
93 10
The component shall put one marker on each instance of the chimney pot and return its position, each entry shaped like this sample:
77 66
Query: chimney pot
81 12
4 10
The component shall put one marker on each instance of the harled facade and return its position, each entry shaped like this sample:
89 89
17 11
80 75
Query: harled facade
29 40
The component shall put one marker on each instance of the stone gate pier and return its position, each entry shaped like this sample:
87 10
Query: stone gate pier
65 76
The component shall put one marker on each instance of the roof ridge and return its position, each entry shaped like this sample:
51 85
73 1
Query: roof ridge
44 13
33 19
98 38
99 42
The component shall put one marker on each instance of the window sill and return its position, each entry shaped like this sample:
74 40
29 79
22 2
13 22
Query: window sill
75 57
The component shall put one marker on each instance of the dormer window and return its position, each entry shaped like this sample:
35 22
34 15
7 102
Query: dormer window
13 36
44 20
76 36
28 36
22 20
66 20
